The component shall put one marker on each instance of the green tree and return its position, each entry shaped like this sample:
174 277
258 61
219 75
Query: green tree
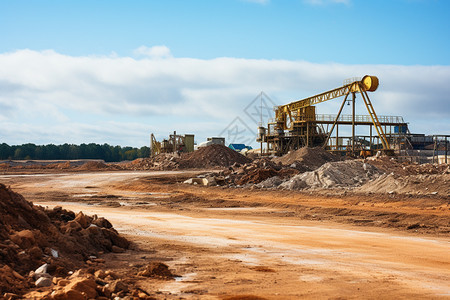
18 153
5 151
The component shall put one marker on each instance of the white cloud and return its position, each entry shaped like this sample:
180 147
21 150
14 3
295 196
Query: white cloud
153 52
49 97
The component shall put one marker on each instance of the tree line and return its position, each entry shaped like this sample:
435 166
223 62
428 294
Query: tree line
70 151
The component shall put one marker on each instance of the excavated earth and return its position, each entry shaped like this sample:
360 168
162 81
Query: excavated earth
308 225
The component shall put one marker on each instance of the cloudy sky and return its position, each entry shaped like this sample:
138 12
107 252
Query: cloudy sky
81 71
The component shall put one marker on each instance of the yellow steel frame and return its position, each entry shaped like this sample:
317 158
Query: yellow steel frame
292 109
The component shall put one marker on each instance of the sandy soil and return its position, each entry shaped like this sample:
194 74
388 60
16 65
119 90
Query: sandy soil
270 244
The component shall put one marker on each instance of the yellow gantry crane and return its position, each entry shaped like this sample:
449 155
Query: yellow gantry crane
295 126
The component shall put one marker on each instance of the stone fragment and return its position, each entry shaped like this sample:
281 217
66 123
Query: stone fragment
43 281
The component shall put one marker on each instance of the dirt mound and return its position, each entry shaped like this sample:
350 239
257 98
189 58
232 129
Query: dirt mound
391 165
255 172
92 165
207 157
270 182
97 166
260 175
31 236
349 173
311 158
423 184
60 166
256 176
162 161
156 269
212 156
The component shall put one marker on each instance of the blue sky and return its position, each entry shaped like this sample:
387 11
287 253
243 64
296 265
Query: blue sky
406 32
114 71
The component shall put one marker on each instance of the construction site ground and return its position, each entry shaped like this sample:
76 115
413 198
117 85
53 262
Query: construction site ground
244 243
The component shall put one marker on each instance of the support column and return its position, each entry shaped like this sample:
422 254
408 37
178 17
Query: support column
337 137
353 122
307 134
446 149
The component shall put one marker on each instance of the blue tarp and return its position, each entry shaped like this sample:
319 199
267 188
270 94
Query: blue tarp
239 147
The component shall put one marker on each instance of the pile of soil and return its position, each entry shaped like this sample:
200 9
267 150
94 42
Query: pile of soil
251 173
349 173
423 184
391 165
309 158
157 270
212 156
162 161
256 176
60 166
31 236
206 157
76 165
96 165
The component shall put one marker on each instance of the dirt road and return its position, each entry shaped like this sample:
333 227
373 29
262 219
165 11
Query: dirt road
265 251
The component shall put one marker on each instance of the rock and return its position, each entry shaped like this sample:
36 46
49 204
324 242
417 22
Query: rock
36 253
116 249
105 291
115 239
111 274
209 181
77 273
270 182
82 219
54 253
43 281
117 286
24 238
86 286
42 269
10 296
63 282
194 181
67 295
156 269
102 222
72 226
100 274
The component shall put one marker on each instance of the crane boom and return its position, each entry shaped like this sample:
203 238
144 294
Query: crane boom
369 83
336 93
295 116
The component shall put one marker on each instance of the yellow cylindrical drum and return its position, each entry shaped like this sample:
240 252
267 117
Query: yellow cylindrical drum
370 83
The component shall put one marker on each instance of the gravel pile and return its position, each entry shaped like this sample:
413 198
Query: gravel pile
306 158
349 173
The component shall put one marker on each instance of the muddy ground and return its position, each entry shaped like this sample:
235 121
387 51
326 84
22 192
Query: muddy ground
235 243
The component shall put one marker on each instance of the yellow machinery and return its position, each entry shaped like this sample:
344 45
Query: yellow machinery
175 143
295 124
155 146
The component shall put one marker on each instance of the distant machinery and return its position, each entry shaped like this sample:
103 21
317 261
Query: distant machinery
296 124
175 143
212 141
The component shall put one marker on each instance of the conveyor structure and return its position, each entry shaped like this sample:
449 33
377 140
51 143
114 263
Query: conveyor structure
296 124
